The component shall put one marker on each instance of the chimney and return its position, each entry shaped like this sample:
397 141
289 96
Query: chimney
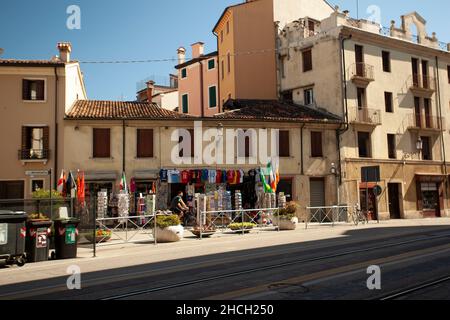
197 49
181 55
65 48
150 89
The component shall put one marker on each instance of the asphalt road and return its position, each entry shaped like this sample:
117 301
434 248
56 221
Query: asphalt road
412 266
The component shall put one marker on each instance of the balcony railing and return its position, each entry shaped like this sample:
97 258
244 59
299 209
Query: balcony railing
362 72
422 83
367 116
34 154
419 122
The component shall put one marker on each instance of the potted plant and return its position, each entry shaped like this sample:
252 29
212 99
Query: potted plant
286 218
242 226
168 228
101 235
206 231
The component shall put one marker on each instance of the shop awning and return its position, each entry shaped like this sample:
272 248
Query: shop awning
430 177
146 174
101 176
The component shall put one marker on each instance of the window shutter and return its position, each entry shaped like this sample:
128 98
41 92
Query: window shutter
145 143
191 132
316 145
307 60
25 140
40 85
212 97
285 144
25 90
46 138
102 145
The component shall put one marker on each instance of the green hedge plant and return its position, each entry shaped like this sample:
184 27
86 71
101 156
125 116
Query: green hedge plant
167 221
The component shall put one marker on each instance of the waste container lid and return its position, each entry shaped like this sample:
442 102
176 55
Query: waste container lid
6 214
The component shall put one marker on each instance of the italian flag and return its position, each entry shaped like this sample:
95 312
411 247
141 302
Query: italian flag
123 183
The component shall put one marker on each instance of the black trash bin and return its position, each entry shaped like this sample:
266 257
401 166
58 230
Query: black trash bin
38 240
66 238
12 237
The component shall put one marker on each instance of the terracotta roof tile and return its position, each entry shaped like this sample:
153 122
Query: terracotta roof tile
120 110
272 110
15 62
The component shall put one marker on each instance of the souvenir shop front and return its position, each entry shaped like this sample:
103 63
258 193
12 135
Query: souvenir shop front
209 181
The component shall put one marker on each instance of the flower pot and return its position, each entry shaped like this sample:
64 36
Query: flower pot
286 224
169 234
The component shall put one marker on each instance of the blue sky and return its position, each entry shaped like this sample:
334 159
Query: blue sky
147 29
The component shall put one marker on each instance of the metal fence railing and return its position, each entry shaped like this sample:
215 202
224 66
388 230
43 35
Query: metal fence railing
329 215
239 221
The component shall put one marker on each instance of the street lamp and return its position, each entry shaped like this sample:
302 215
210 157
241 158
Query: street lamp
419 149
334 171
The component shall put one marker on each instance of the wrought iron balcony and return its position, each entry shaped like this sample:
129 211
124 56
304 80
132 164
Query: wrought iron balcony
420 84
362 73
366 116
34 154
417 122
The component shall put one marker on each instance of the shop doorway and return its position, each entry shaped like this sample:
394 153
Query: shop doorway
369 204
431 199
394 193
317 198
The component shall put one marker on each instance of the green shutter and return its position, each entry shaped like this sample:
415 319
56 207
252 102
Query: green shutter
183 73
211 64
212 97
185 103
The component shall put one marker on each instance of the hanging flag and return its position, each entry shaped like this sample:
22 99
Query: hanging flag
276 170
71 186
61 183
267 188
271 174
80 188
123 183
132 185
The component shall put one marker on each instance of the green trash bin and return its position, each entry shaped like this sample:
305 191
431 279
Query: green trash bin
38 240
66 238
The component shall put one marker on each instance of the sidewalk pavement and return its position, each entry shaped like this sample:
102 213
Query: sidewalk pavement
124 255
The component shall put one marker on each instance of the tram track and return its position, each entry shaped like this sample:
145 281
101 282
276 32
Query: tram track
414 289
269 267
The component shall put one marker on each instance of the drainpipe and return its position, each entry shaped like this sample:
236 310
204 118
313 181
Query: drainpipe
202 91
301 150
438 97
340 132
55 171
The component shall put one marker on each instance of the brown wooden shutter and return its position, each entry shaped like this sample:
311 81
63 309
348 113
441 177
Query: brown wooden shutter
191 132
285 144
46 138
25 140
307 60
247 147
25 90
102 143
316 145
145 143
40 87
